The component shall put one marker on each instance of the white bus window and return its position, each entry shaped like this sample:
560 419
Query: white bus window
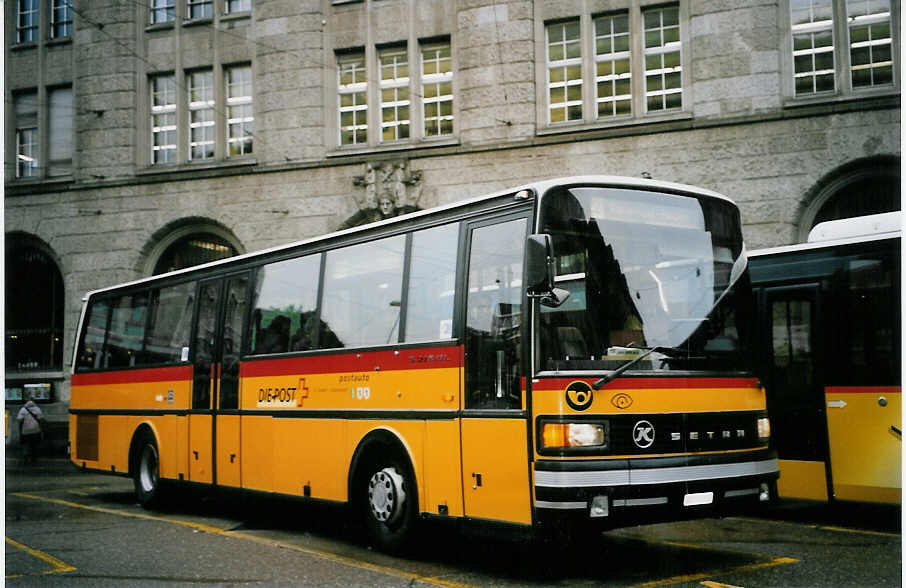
432 281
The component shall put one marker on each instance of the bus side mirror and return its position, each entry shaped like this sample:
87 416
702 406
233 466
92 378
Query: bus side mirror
540 271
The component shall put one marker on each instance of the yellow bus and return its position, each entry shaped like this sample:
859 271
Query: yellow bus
566 354
830 348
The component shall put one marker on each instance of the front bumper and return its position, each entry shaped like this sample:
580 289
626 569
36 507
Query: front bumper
629 491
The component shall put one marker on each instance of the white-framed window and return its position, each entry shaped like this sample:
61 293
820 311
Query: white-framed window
60 19
60 135
613 68
26 21
234 6
812 25
162 11
870 42
437 89
25 106
394 88
842 46
163 119
663 59
352 89
407 87
199 8
200 90
564 69
240 119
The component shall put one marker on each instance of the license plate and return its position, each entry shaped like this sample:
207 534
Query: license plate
698 499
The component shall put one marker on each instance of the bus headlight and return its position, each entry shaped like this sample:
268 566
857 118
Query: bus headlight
764 429
562 435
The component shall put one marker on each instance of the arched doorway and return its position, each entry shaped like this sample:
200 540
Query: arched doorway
860 188
34 307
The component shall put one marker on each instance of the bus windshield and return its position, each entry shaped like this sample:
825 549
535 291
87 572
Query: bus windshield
645 270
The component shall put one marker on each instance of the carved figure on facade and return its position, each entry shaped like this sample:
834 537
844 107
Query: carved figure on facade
391 189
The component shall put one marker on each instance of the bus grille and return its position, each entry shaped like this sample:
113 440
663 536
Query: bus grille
678 433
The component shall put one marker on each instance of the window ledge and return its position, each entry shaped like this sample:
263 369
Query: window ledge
58 41
160 26
391 147
245 14
153 170
196 22
23 45
613 124
859 96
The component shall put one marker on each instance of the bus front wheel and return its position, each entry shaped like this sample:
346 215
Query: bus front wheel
388 500
146 471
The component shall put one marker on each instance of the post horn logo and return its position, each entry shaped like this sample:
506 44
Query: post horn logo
579 396
621 400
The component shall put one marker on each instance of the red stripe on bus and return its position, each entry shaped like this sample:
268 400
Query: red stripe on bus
629 383
862 390
368 361
135 376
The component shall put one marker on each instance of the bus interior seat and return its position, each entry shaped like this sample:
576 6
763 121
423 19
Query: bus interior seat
572 343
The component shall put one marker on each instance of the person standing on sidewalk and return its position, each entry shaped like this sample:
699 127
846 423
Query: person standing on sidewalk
30 420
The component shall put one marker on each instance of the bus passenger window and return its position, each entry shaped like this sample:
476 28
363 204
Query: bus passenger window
170 324
432 277
362 294
92 343
127 330
284 303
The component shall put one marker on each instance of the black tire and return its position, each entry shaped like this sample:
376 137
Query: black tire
146 471
388 501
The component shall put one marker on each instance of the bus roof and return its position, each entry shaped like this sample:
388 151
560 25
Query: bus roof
539 187
859 229
859 226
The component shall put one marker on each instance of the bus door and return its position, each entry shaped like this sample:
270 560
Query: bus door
214 421
795 391
493 427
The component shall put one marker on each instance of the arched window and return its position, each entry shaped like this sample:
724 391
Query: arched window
862 197
193 249
34 309
868 186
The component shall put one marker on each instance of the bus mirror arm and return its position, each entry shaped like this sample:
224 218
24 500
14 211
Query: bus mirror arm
540 271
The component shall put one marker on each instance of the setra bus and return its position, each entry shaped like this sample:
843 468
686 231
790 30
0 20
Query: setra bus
830 350
571 352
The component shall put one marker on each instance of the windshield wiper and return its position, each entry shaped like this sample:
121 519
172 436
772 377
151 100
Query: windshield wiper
619 371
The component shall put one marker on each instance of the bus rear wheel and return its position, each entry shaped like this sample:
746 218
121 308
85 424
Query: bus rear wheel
146 472
387 497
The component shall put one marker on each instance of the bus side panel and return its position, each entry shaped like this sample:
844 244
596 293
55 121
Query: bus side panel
309 453
802 479
258 449
496 445
866 466
181 445
442 469
115 434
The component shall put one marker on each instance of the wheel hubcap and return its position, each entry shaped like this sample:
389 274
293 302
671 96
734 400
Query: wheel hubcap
386 495
148 469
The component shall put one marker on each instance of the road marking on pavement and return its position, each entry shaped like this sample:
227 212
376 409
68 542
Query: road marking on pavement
702 576
711 584
341 559
822 527
59 567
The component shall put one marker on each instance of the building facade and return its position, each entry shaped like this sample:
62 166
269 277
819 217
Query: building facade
147 136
